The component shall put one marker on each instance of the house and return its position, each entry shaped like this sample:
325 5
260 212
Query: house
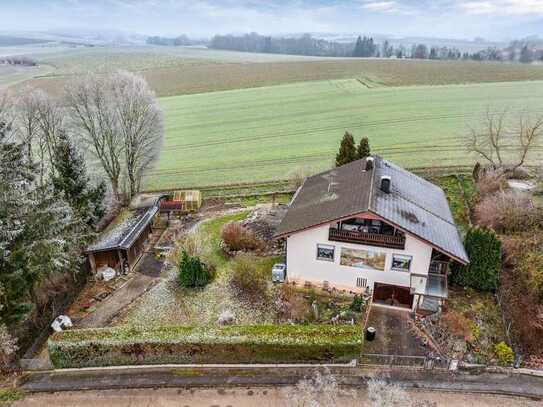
372 226
122 245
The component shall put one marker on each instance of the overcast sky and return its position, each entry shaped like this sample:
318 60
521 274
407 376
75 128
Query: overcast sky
491 19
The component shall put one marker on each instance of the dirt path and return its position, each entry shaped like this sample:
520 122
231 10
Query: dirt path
244 397
146 276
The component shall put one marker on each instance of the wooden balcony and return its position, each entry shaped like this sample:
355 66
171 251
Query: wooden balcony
369 239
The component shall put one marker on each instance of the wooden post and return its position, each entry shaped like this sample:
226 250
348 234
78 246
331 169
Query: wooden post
92 262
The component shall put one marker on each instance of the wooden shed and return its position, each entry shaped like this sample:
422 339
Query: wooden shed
181 202
121 246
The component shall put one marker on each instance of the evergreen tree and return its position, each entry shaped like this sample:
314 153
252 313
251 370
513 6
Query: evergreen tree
357 52
71 181
39 234
363 149
347 150
484 251
526 55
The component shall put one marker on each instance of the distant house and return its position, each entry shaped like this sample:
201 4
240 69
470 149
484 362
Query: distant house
122 245
373 226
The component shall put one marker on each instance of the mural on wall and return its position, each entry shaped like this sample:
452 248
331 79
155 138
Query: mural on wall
364 259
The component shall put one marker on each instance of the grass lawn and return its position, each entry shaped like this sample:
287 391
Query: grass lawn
261 134
460 192
169 304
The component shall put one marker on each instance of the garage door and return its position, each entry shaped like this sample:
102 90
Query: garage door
393 295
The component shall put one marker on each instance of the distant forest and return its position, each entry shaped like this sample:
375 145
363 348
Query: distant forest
524 51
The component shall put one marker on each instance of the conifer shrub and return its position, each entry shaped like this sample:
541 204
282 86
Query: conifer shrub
193 272
484 251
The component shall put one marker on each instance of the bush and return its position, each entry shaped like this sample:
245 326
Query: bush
358 304
530 269
126 345
249 278
192 272
484 251
458 325
504 353
236 237
507 212
291 304
491 181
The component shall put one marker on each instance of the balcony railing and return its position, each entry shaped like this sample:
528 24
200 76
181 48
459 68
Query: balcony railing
437 286
370 239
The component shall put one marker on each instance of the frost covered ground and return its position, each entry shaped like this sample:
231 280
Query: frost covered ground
169 304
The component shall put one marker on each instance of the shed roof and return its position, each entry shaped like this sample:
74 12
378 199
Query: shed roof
413 204
123 235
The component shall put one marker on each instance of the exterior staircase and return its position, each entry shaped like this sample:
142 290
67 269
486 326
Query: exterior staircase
430 305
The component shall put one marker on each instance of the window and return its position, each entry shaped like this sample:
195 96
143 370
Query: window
325 252
401 262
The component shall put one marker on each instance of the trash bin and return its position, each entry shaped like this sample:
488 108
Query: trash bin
370 333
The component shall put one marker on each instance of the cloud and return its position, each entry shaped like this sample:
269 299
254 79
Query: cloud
386 6
503 7
443 18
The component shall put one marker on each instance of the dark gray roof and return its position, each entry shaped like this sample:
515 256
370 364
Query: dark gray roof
413 204
123 235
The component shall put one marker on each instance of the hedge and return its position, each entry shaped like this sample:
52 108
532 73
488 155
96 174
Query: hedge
186 344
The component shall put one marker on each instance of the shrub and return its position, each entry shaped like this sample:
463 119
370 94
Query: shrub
8 348
192 272
458 325
290 304
382 394
358 304
236 237
249 278
490 181
530 268
504 353
507 212
484 251
125 345
321 390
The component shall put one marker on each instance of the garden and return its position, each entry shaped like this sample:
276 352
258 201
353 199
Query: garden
218 294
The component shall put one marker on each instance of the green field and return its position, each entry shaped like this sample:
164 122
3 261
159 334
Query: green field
175 71
265 133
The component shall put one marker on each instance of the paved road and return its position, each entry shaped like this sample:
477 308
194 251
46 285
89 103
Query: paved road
246 397
145 277
154 377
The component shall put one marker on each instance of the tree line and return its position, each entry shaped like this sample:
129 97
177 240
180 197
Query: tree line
63 164
368 47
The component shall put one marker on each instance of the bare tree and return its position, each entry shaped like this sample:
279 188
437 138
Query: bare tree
488 142
495 138
119 119
140 123
382 394
93 117
27 119
320 390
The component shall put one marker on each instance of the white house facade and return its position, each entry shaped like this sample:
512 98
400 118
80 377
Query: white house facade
353 229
